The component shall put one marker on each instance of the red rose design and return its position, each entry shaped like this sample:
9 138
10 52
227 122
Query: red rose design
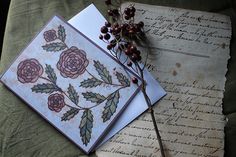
29 70
50 35
72 62
56 102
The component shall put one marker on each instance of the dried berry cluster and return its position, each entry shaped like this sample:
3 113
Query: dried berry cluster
124 32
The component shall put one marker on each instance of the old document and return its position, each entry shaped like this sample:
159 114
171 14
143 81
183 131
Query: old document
189 54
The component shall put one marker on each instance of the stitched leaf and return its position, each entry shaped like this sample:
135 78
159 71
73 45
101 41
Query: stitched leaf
52 47
51 74
70 114
102 72
61 33
91 82
94 97
111 105
123 79
73 95
86 125
45 88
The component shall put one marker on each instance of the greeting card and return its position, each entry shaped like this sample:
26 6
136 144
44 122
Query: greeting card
71 82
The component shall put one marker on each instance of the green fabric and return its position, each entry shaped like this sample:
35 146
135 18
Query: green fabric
24 133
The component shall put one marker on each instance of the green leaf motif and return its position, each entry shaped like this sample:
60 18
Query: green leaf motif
61 33
70 114
73 95
52 47
94 97
103 72
91 82
45 88
86 125
111 105
51 74
123 79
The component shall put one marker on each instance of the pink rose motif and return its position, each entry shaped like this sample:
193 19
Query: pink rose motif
29 70
72 62
50 35
56 102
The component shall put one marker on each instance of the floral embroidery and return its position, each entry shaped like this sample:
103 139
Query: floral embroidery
72 62
50 35
29 70
56 102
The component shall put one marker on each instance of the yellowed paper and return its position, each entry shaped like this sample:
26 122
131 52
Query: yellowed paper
189 54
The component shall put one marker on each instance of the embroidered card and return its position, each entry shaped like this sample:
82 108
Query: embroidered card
72 83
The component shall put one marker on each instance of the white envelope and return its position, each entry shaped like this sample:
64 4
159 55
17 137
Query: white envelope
89 21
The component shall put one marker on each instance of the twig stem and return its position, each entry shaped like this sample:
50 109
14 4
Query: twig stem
150 108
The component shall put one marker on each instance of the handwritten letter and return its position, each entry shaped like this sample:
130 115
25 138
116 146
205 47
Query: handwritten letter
189 54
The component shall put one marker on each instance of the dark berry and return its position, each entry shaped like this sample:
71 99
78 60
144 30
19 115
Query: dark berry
129 64
113 43
124 26
104 29
132 9
127 17
107 36
117 30
107 24
116 12
109 47
110 13
100 37
135 80
131 14
134 57
133 49
127 11
137 52
139 58
127 52
141 24
108 2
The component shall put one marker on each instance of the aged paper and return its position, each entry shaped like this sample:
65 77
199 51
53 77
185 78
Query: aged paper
189 54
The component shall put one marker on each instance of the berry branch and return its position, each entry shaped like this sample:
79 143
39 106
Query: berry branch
123 36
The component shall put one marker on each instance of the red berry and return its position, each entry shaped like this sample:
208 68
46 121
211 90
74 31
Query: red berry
107 36
135 80
133 49
128 52
104 29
